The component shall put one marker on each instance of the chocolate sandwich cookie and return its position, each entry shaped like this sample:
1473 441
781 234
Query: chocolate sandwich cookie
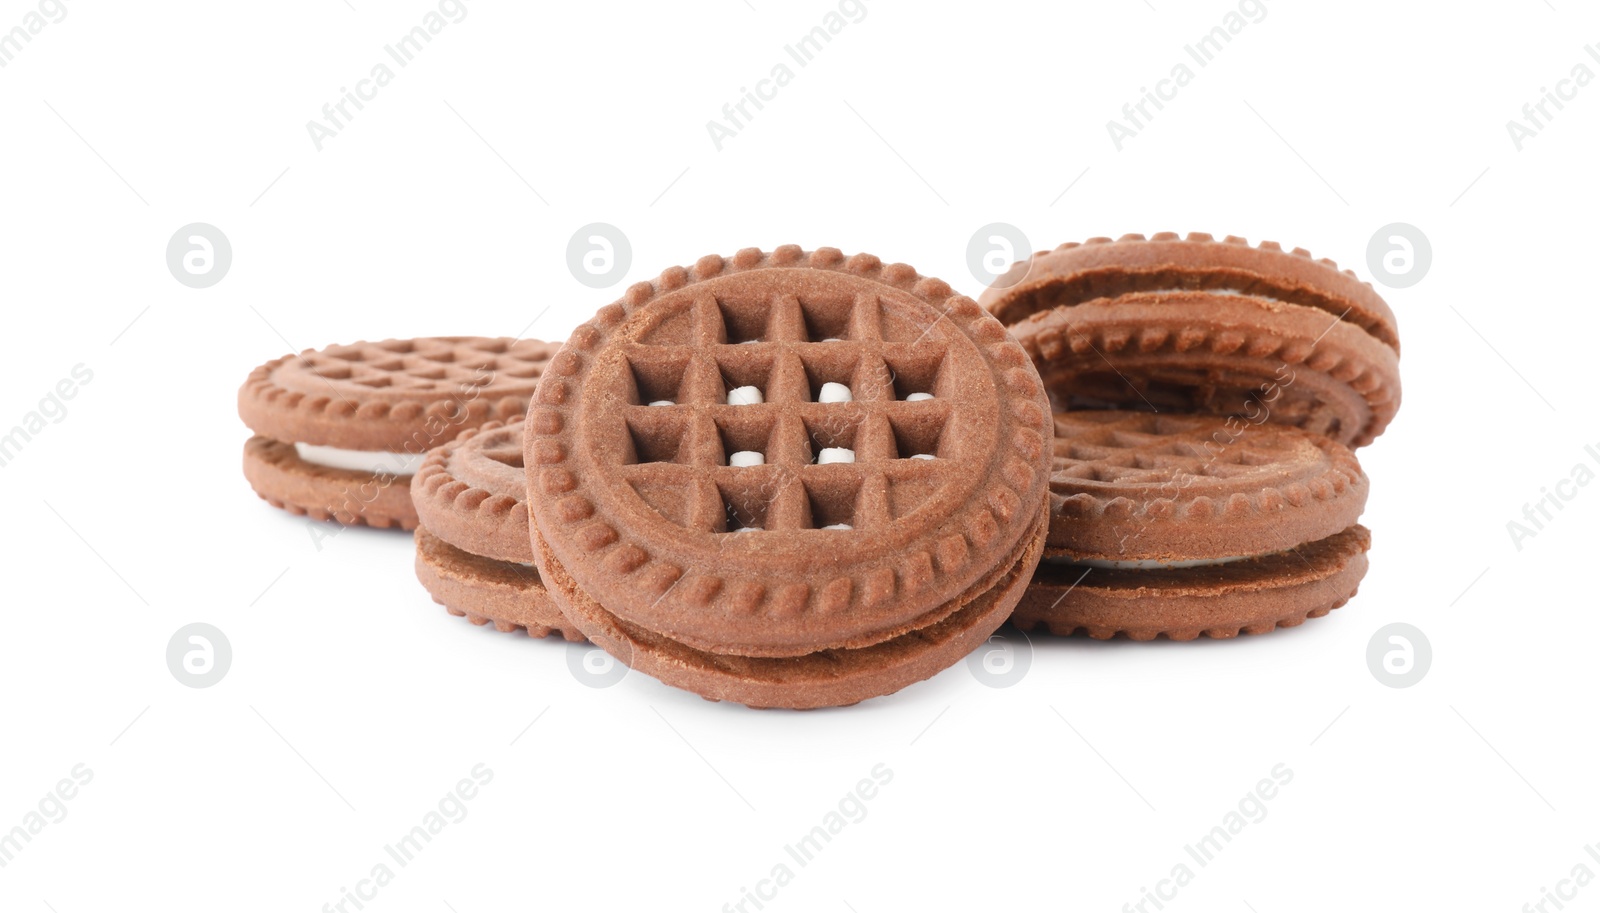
1182 525
474 553
339 431
1199 325
789 479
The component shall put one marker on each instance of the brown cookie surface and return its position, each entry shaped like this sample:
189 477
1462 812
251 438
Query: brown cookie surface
1103 268
1221 354
1198 325
1185 524
402 395
281 478
486 590
828 678
776 455
472 493
1134 486
1254 596
360 416
474 554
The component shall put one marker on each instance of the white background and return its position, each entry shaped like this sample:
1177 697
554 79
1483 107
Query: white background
354 703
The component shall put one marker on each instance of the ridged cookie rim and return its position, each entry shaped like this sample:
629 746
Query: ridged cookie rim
1085 524
436 558
394 512
967 625
564 514
344 419
1350 564
1260 333
1232 251
444 499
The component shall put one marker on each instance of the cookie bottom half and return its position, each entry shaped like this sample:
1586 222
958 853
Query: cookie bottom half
354 498
828 678
488 590
1254 596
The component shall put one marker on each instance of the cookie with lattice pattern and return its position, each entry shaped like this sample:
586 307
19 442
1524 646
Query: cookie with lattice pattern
339 431
1201 325
474 554
771 460
1188 524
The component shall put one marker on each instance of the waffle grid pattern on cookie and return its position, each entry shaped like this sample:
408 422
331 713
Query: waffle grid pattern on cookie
424 366
683 422
588 461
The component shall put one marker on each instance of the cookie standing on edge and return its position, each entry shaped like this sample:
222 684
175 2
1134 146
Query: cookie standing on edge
474 552
339 431
791 479
1180 525
1199 325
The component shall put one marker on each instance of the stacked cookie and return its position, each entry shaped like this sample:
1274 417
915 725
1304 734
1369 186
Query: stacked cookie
474 552
1208 394
339 431
789 479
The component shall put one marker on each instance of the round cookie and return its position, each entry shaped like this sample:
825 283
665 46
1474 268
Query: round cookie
792 479
1199 325
474 554
1180 525
339 431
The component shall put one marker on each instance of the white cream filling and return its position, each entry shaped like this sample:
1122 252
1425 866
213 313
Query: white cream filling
745 396
1146 564
373 461
834 393
1193 291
